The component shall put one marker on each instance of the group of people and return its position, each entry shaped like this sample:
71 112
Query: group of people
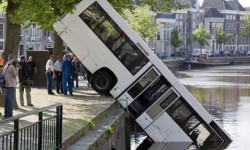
64 71
25 71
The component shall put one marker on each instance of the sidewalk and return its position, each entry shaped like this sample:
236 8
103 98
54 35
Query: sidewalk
78 110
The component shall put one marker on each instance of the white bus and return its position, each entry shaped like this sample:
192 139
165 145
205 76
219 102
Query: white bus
124 66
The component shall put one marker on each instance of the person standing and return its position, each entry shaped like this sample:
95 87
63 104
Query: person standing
66 75
10 76
58 74
24 76
32 70
76 70
49 74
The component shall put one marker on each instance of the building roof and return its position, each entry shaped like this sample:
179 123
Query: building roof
233 5
165 15
218 4
190 3
223 5
213 12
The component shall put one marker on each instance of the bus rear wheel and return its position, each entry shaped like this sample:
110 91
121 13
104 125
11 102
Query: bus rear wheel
102 82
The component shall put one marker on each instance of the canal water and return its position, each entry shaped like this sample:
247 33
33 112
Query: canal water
225 94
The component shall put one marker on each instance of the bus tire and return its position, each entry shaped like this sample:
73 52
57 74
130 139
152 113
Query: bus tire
102 82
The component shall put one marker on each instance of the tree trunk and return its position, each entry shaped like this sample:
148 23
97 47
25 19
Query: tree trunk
12 37
58 45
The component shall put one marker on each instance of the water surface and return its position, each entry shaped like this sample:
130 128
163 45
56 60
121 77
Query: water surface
225 94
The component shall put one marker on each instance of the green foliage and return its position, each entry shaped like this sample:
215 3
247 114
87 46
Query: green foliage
3 6
221 35
246 29
110 130
141 20
175 38
92 124
42 12
162 5
201 36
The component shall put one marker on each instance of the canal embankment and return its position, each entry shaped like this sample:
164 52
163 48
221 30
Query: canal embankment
175 63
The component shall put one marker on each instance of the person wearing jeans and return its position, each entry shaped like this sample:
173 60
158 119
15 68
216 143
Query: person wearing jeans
10 86
24 75
49 74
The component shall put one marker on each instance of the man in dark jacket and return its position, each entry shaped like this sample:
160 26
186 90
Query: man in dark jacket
24 79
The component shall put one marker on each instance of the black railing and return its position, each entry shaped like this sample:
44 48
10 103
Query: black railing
42 132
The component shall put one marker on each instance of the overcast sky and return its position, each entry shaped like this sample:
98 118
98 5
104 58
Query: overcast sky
244 3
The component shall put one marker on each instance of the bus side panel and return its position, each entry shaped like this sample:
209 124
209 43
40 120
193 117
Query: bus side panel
75 45
59 27
165 126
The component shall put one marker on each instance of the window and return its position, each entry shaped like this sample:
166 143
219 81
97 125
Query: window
191 123
168 100
147 79
114 38
179 113
1 45
149 96
1 31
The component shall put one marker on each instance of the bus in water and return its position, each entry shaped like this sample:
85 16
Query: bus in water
123 65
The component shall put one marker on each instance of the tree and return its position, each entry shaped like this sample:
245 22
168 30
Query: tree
175 39
221 36
12 29
201 36
141 20
245 31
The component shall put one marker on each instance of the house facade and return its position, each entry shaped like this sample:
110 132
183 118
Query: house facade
211 14
32 38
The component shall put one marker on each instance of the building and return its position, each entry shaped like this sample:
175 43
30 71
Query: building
2 31
212 14
32 38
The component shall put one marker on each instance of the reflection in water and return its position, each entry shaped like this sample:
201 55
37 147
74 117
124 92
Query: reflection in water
225 93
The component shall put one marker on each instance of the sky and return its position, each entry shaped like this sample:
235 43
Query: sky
244 3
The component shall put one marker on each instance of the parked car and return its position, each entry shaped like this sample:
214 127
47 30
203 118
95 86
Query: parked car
226 53
197 52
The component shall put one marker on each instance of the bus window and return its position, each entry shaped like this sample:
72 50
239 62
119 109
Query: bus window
151 94
180 114
192 122
114 38
92 16
157 109
146 80
168 100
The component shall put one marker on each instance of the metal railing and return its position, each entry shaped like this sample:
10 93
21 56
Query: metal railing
42 132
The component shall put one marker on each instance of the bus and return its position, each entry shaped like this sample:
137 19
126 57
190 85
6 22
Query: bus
124 66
